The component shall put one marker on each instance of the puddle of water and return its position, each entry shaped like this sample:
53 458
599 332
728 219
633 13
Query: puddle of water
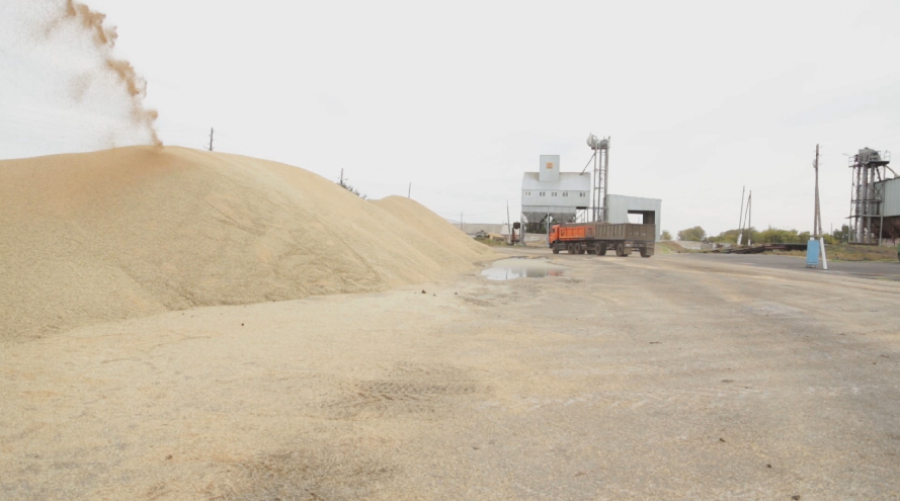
511 269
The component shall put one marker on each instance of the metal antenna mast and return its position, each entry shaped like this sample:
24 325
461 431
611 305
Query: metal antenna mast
601 176
867 195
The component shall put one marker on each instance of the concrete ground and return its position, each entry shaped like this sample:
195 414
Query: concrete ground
672 378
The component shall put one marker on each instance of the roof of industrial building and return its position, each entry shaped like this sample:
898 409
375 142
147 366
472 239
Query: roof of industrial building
568 181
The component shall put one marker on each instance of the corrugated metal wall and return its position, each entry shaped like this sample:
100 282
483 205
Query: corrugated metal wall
892 197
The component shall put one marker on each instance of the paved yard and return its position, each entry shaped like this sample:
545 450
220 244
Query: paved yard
674 378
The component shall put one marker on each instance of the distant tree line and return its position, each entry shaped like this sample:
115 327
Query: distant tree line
768 236
695 234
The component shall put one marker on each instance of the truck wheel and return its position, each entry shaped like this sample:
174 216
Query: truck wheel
570 248
645 252
601 250
580 249
555 249
620 250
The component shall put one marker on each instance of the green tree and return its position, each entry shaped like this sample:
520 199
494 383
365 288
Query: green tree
731 236
695 234
782 236
666 235
841 235
771 236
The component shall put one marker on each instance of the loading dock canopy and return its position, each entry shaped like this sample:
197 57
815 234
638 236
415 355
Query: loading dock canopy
618 207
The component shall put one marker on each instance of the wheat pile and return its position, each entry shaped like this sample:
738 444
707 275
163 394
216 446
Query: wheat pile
134 231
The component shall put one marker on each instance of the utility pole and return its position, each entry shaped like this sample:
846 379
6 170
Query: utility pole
816 208
817 217
409 192
741 218
509 224
210 138
342 178
749 220
818 240
745 220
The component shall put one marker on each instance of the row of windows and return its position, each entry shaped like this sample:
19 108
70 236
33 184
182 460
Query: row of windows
553 194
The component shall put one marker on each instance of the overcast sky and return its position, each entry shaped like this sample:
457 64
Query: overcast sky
460 98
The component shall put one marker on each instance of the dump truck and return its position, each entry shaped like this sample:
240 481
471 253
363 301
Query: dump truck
597 238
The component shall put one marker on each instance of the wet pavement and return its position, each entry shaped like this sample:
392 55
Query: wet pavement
511 269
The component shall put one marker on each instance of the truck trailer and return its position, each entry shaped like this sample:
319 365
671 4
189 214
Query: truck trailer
597 238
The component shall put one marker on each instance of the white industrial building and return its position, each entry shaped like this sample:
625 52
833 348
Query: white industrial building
565 197
551 192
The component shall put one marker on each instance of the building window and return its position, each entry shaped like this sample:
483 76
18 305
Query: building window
541 193
553 194
565 193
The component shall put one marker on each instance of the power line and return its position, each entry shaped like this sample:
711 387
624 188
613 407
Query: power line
473 215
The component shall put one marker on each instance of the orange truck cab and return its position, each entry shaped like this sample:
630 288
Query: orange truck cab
564 234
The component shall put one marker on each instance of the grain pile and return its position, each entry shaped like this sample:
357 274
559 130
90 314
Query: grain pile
134 231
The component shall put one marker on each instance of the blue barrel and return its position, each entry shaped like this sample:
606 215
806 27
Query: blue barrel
812 254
